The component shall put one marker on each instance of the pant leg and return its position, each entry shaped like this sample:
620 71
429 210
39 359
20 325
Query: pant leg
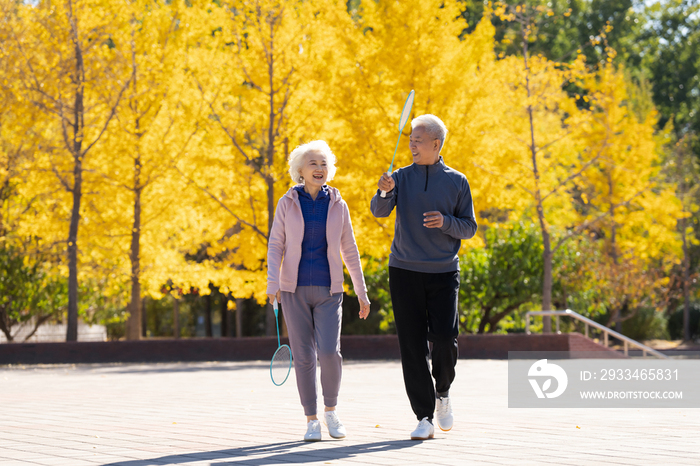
409 302
297 312
328 314
442 290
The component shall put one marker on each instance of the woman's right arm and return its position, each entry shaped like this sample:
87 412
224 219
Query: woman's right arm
275 250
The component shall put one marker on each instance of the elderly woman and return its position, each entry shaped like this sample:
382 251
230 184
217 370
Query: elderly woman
311 230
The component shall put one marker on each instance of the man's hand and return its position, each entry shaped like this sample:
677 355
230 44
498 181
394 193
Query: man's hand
433 219
386 183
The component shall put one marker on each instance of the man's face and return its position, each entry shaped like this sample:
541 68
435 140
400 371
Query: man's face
424 148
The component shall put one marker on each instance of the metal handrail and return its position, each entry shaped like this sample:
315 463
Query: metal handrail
606 331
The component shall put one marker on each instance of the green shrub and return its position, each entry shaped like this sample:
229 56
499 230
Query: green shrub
647 324
675 322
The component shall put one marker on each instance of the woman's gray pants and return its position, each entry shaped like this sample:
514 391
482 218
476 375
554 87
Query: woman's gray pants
313 316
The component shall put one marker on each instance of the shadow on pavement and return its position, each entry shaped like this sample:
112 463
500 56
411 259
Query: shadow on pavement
154 368
274 453
107 368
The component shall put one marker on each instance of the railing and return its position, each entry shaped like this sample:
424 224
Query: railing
606 331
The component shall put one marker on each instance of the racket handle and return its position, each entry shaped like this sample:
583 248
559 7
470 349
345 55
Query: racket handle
383 194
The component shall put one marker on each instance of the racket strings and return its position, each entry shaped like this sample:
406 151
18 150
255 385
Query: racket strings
281 365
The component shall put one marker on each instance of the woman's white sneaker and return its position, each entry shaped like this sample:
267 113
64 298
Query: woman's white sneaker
424 431
336 429
443 413
313 431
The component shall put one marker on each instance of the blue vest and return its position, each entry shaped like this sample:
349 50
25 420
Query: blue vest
313 266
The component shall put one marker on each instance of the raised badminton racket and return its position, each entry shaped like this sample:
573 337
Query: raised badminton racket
281 363
405 113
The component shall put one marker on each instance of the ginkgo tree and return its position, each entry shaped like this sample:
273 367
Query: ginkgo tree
380 55
259 100
622 198
25 292
68 70
152 137
152 129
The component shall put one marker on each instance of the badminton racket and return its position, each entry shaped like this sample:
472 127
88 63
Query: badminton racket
405 113
281 363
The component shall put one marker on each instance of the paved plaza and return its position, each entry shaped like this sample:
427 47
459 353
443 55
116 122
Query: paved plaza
198 414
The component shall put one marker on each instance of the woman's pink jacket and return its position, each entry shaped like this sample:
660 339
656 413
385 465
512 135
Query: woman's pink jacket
284 246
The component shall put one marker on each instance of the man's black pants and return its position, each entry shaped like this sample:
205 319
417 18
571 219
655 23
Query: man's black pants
425 309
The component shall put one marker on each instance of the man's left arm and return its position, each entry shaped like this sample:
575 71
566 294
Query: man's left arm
462 225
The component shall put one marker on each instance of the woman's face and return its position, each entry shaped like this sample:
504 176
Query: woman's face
315 169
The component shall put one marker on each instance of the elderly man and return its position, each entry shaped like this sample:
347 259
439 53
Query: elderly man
434 212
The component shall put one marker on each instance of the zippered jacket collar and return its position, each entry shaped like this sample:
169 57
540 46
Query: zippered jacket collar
431 169
333 193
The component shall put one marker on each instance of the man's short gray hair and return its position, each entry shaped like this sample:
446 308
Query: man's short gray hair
433 126
297 158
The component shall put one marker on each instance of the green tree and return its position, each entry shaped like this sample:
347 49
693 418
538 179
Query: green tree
573 26
672 57
683 171
499 278
29 296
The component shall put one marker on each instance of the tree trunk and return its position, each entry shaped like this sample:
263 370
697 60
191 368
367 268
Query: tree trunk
5 324
616 316
72 330
485 316
270 327
544 229
176 318
686 283
547 282
78 125
230 322
283 323
134 330
224 315
134 323
546 240
144 318
239 317
207 316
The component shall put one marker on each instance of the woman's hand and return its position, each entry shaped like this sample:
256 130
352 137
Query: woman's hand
364 310
272 297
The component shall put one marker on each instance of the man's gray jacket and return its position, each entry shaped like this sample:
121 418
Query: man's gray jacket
420 189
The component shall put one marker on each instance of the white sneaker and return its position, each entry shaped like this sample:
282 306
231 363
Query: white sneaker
424 431
313 431
335 428
443 413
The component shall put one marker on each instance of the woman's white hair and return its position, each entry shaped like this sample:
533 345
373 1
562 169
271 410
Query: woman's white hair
433 126
297 159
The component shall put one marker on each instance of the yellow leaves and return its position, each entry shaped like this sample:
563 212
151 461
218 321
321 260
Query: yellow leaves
198 115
